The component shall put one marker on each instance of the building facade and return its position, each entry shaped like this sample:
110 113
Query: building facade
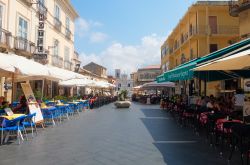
96 69
241 9
147 74
206 27
24 32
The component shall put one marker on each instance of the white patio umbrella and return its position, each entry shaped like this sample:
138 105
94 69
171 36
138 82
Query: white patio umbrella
234 62
22 66
63 74
76 82
18 67
154 84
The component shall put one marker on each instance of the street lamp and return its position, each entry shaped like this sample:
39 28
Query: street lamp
77 67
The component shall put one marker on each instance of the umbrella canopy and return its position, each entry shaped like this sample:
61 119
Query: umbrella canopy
154 84
22 66
237 61
63 74
76 82
137 87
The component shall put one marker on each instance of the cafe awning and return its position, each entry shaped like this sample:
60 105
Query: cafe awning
161 78
237 61
63 74
21 66
155 84
186 72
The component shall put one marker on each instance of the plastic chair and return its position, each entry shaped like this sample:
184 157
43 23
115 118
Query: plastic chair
29 122
14 125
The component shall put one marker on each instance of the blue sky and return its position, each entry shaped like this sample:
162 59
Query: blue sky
125 34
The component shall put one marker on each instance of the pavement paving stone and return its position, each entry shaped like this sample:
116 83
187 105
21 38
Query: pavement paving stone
142 135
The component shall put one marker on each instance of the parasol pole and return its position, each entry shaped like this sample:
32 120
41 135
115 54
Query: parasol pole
42 89
12 90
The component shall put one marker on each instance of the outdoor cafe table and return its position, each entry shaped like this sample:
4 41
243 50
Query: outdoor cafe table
14 116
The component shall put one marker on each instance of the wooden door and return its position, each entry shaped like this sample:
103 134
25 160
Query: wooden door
213 24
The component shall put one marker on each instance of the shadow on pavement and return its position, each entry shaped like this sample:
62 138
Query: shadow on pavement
181 146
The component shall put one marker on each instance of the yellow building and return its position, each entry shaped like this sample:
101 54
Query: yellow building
206 27
20 24
241 9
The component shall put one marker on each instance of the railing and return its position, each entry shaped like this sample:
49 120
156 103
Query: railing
5 37
199 30
24 45
226 29
68 34
68 65
235 7
42 9
57 61
57 24
220 30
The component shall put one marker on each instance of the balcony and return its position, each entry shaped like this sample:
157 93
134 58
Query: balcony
24 46
68 34
199 30
236 7
5 39
57 24
27 2
41 9
68 65
217 30
57 61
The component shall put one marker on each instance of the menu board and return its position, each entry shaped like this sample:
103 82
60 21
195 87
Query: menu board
33 105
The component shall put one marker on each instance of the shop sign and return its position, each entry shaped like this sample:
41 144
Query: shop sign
40 55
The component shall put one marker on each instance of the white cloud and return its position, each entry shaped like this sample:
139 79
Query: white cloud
98 37
128 58
84 27
81 27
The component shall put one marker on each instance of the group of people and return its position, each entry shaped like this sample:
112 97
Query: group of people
224 104
21 107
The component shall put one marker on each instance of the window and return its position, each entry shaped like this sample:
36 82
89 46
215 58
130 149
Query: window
23 28
56 48
57 12
213 48
191 54
1 16
67 22
183 58
66 53
42 2
128 85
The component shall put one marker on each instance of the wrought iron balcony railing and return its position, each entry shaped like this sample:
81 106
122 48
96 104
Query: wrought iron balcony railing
41 8
235 7
57 24
68 34
25 45
5 38
68 65
57 61
220 30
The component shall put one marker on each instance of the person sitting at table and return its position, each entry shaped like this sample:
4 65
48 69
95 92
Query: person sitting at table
1 100
22 107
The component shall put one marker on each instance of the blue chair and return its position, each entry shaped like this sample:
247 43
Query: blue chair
14 125
48 115
29 122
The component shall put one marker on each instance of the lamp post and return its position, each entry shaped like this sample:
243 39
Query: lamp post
77 67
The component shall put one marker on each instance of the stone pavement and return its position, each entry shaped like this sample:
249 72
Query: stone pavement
142 135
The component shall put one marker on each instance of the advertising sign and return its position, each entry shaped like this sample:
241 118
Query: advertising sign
33 105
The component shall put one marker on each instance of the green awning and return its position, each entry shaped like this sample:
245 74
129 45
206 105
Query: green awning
160 78
185 71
